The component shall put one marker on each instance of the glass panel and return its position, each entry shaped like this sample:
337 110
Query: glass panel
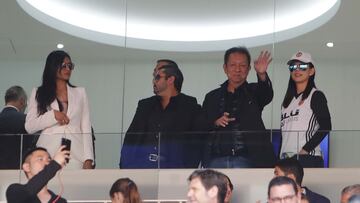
343 149
260 149
107 150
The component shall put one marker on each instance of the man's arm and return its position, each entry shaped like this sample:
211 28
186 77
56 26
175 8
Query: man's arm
17 193
264 91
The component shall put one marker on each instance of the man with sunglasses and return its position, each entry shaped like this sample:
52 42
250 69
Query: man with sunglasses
305 117
162 123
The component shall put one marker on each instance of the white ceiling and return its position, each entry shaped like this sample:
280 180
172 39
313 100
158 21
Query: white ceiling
203 25
24 38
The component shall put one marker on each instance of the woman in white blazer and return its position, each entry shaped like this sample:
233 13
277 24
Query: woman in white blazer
60 110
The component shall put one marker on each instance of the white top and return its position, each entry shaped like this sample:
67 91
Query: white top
298 125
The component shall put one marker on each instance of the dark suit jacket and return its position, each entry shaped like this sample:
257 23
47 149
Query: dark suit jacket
173 126
315 197
12 123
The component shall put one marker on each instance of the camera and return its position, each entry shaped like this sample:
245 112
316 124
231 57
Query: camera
67 144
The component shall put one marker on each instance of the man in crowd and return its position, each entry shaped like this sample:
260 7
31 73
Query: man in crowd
292 168
207 186
12 124
236 106
12 117
229 189
39 168
283 189
348 192
161 125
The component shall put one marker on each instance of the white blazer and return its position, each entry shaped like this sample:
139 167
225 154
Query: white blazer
78 130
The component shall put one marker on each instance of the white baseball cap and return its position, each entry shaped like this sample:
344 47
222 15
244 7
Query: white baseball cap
301 56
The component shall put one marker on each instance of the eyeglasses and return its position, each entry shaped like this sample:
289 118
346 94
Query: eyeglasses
70 66
158 77
301 67
285 199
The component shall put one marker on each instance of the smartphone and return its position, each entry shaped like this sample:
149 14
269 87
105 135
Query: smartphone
67 144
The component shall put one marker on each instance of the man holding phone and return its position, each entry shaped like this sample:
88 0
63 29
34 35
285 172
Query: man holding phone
39 168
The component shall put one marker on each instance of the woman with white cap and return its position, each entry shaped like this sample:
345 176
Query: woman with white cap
305 117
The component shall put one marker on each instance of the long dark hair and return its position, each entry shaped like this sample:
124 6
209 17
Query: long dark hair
291 90
46 93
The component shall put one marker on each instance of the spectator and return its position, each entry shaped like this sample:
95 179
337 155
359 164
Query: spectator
167 118
12 117
235 107
207 186
292 168
283 189
59 109
349 191
39 168
12 124
229 189
305 117
124 190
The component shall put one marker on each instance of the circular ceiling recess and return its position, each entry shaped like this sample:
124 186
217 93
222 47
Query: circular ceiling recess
186 25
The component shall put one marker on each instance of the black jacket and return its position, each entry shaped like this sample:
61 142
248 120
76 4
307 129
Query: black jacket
174 126
12 124
12 121
252 98
27 193
314 197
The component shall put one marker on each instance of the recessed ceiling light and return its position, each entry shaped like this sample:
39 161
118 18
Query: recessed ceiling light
330 44
60 46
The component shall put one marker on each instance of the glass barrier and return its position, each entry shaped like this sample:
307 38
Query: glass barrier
216 149
222 149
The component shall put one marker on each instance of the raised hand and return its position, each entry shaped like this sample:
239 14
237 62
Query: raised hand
61 156
262 62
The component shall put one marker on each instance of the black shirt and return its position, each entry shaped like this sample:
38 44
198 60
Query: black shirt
27 193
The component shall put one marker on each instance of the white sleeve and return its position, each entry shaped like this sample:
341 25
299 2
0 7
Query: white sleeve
86 129
35 122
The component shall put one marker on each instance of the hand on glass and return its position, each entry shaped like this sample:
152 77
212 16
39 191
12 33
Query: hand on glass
261 64
61 118
224 120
